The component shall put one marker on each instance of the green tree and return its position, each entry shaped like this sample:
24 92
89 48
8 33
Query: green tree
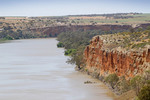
60 44
112 79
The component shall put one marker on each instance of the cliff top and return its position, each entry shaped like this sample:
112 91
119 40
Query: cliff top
126 41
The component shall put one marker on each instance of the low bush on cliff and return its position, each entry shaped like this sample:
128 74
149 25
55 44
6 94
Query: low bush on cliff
144 91
124 85
112 79
135 39
140 45
141 85
146 76
144 94
136 83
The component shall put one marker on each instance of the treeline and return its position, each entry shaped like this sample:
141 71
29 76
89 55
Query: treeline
107 15
8 33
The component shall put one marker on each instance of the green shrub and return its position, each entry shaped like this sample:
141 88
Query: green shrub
70 52
112 79
144 94
124 84
60 44
147 75
86 70
135 81
139 45
8 37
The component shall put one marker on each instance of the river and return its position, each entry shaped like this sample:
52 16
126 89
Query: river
35 69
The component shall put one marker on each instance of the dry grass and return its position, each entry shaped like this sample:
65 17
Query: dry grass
130 95
86 17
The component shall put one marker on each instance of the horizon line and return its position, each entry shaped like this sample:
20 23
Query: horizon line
77 14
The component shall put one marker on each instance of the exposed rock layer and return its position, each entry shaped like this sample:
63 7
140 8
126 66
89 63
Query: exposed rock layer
55 30
103 62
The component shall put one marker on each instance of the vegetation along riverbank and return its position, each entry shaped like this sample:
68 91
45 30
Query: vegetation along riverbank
121 59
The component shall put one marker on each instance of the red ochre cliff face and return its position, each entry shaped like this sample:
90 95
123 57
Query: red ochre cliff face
104 62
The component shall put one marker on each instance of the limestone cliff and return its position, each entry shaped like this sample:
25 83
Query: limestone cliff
102 57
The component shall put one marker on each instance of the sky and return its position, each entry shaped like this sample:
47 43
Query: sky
71 7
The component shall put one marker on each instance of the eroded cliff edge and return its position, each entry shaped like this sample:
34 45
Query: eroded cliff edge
102 57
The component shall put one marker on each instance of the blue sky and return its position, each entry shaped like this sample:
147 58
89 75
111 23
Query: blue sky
71 7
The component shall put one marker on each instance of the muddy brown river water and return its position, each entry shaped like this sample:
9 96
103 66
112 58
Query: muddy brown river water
36 69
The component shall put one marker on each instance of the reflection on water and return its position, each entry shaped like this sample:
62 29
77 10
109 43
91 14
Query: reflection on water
36 70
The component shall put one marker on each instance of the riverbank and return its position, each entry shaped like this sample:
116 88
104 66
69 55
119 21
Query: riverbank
3 40
7 40
129 95
93 75
111 92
